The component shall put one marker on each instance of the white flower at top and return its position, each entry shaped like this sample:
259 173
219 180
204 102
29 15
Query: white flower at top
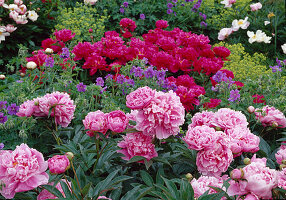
228 3
90 2
242 23
259 36
11 7
284 48
3 33
32 15
224 33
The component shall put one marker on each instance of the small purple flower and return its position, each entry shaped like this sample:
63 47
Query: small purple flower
19 81
234 95
100 81
149 72
65 53
13 109
170 5
121 10
81 87
169 11
125 4
108 77
121 79
203 24
130 82
138 72
3 104
1 146
133 69
219 76
142 16
3 118
50 62
175 1
161 74
103 89
215 89
173 87
275 68
182 4
146 60
175 14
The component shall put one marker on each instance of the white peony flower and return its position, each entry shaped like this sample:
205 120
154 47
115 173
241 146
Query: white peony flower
32 15
224 33
90 2
236 24
259 36
266 23
284 48
228 3
3 33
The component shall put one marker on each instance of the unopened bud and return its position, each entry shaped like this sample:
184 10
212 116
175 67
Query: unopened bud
91 37
90 30
251 109
275 124
236 174
31 65
246 161
2 76
284 162
282 166
69 155
38 9
49 50
189 176
218 128
22 74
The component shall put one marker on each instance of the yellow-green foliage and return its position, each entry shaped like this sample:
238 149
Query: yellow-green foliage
243 65
80 19
221 17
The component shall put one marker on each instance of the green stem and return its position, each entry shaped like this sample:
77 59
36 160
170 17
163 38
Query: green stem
76 176
70 187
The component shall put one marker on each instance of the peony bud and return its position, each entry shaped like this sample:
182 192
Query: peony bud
246 161
90 30
282 166
218 128
22 74
49 50
2 76
189 176
284 162
69 155
236 174
58 164
31 65
251 109
275 125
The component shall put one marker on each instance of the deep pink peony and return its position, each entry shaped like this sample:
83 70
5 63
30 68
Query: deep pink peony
117 121
226 118
216 159
62 107
22 170
212 104
200 137
58 164
45 194
202 118
137 144
127 23
201 185
96 121
221 51
162 24
269 115
64 35
26 109
162 117
280 156
140 98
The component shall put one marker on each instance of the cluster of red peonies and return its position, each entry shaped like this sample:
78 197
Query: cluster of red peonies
270 116
174 50
21 170
137 144
99 121
156 114
57 105
219 137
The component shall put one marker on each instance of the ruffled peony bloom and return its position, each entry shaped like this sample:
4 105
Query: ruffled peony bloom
137 144
45 194
224 33
269 115
58 164
96 121
162 117
26 109
140 98
222 52
242 23
256 6
162 24
282 178
64 35
22 170
280 155
117 121
127 23
202 118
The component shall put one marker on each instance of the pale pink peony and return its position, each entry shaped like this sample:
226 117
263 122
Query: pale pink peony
62 107
96 121
22 170
269 115
216 159
58 164
256 6
162 117
202 118
201 185
103 197
282 178
117 121
236 174
45 194
200 137
226 118
224 33
26 109
137 144
140 98
280 156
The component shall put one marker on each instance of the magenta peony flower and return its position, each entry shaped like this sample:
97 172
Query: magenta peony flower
214 160
64 35
280 156
22 170
269 115
26 109
45 194
162 117
62 107
58 164
162 24
137 144
117 121
200 137
96 121
140 98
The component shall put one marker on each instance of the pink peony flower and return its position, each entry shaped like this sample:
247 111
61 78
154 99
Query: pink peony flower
202 118
137 144
162 117
200 137
64 35
58 164
117 121
280 156
127 23
269 115
256 6
162 24
236 174
62 107
26 109
140 98
45 194
201 185
282 178
214 160
224 33
96 121
103 197
22 170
